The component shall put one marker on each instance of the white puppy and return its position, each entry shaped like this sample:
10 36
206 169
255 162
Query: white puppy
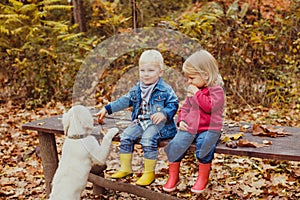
80 151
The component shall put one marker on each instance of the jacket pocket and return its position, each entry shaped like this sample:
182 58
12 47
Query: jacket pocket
158 103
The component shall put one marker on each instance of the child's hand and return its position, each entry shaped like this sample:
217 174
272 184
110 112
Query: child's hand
157 118
183 126
101 114
191 90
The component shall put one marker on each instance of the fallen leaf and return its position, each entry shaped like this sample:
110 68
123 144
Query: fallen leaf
245 128
266 142
246 143
279 179
229 137
250 190
258 184
297 172
231 144
40 123
268 130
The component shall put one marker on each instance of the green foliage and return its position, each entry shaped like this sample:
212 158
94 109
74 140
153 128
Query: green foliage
110 17
152 13
107 17
43 51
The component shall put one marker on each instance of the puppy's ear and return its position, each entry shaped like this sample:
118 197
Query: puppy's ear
85 118
66 122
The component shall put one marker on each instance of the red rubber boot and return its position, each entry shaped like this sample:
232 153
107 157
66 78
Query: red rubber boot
202 180
173 179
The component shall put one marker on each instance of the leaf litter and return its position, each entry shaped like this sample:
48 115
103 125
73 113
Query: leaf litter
232 177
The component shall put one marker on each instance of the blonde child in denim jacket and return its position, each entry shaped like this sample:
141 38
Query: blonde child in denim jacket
154 104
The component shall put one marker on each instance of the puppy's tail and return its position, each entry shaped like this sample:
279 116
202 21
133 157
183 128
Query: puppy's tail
106 143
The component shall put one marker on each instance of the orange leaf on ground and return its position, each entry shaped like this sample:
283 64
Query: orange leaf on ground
297 172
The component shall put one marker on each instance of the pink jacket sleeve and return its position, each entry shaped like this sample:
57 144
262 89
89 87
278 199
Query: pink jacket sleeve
210 98
184 110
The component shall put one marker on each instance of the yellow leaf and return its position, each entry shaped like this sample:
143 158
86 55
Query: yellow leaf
237 136
229 137
225 139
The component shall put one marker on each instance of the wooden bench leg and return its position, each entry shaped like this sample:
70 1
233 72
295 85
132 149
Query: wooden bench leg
99 171
49 156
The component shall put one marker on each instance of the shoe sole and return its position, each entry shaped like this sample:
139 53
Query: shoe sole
121 177
144 185
197 191
171 189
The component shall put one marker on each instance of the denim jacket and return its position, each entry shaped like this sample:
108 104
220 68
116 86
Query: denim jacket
163 99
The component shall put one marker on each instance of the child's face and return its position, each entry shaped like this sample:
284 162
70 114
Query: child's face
149 73
196 80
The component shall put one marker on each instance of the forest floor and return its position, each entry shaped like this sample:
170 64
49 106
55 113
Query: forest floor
232 177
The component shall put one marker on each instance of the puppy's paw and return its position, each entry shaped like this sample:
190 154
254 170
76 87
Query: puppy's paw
112 132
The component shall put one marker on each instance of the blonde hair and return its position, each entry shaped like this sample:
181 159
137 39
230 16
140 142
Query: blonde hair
203 62
152 56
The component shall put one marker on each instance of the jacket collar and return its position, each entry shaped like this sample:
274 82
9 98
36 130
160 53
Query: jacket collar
159 86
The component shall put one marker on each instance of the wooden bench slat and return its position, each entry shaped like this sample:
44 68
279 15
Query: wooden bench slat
282 148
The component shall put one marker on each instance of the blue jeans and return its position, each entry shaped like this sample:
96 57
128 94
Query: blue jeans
149 139
205 145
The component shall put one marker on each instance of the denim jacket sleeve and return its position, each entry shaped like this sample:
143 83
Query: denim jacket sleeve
171 104
119 104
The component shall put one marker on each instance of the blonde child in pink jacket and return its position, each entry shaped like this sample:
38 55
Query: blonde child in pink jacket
200 119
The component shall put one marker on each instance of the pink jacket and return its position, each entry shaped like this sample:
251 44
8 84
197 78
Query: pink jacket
204 110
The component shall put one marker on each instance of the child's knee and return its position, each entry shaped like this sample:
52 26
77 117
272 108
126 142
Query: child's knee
204 158
148 143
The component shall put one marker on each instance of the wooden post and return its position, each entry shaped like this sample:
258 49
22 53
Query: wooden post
49 157
99 171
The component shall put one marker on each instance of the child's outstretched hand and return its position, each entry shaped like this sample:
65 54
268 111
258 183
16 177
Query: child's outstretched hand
157 118
101 114
183 126
191 90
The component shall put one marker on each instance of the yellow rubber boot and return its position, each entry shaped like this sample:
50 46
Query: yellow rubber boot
149 173
125 169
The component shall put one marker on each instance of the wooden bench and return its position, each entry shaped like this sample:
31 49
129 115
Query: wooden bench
282 148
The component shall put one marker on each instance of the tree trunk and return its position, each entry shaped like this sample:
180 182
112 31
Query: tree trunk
134 15
78 12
